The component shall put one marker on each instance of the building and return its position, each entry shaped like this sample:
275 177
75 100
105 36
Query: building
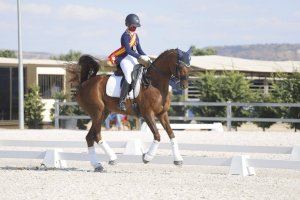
49 75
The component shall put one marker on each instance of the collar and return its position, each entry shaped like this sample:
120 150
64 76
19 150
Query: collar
130 33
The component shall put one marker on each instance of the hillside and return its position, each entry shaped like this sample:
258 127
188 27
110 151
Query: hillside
276 52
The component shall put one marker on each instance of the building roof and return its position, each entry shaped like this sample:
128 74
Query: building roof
222 63
214 62
39 62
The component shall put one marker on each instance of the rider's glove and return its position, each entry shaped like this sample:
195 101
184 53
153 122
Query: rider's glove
144 60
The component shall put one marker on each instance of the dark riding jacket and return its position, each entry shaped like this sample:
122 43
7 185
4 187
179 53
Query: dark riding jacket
135 51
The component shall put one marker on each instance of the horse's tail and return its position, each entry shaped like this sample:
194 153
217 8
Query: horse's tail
89 67
86 68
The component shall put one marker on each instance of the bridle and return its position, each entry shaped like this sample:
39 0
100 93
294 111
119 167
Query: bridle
180 63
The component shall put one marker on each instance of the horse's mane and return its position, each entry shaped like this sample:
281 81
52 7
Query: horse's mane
163 54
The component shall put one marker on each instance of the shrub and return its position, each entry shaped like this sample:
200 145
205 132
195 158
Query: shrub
33 107
265 112
229 86
286 89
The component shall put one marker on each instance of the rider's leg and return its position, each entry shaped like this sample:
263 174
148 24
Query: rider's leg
123 95
127 65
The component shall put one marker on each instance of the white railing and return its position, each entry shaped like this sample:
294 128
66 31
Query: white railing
229 119
242 165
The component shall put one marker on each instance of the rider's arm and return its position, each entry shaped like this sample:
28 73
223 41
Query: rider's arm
139 48
125 42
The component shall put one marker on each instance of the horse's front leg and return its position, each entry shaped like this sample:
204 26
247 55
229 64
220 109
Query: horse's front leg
147 157
164 120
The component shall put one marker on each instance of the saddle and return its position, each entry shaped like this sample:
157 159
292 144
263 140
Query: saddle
114 83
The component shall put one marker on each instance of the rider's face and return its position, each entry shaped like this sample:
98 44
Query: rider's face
132 28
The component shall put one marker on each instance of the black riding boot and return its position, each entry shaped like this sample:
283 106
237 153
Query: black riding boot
123 95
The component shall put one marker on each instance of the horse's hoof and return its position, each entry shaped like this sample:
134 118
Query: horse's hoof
178 163
99 169
145 161
112 162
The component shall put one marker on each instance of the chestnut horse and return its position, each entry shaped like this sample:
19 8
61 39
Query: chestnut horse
153 101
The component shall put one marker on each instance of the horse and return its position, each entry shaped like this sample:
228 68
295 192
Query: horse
153 101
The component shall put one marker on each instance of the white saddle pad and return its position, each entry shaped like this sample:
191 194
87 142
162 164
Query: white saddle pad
113 87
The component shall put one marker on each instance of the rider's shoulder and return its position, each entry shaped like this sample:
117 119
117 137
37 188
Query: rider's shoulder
126 34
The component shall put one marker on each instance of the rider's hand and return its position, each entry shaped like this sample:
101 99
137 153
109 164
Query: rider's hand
144 60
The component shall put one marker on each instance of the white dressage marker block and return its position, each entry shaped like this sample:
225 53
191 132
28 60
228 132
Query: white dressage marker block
295 155
217 126
134 147
145 128
52 159
239 166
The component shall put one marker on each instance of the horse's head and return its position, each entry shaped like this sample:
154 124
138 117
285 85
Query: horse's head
181 69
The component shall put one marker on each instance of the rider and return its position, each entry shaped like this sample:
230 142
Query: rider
129 55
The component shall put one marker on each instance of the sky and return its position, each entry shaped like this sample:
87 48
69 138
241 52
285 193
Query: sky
95 26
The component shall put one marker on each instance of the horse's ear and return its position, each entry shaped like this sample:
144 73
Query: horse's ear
189 51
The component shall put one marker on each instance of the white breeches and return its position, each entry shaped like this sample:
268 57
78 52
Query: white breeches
127 65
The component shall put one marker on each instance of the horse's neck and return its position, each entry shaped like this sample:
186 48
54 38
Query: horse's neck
160 80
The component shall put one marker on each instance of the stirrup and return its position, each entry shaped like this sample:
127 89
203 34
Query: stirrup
122 106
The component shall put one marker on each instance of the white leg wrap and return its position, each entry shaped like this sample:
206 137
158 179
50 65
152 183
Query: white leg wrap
152 151
175 150
93 158
108 151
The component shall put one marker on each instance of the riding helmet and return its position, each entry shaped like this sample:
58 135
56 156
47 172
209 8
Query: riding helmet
132 19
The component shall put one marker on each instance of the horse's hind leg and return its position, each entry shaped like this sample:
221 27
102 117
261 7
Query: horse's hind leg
90 137
103 144
164 120
154 146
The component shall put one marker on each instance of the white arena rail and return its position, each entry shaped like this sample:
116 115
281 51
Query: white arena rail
216 126
242 165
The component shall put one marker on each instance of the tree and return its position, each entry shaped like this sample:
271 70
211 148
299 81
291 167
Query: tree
203 52
33 107
70 56
208 84
7 54
287 90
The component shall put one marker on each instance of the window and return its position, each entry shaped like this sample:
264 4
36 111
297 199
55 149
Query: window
9 92
50 84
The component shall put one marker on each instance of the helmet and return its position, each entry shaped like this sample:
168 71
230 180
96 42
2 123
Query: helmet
132 19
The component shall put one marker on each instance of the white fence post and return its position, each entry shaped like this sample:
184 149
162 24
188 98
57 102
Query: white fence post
218 127
56 114
228 115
